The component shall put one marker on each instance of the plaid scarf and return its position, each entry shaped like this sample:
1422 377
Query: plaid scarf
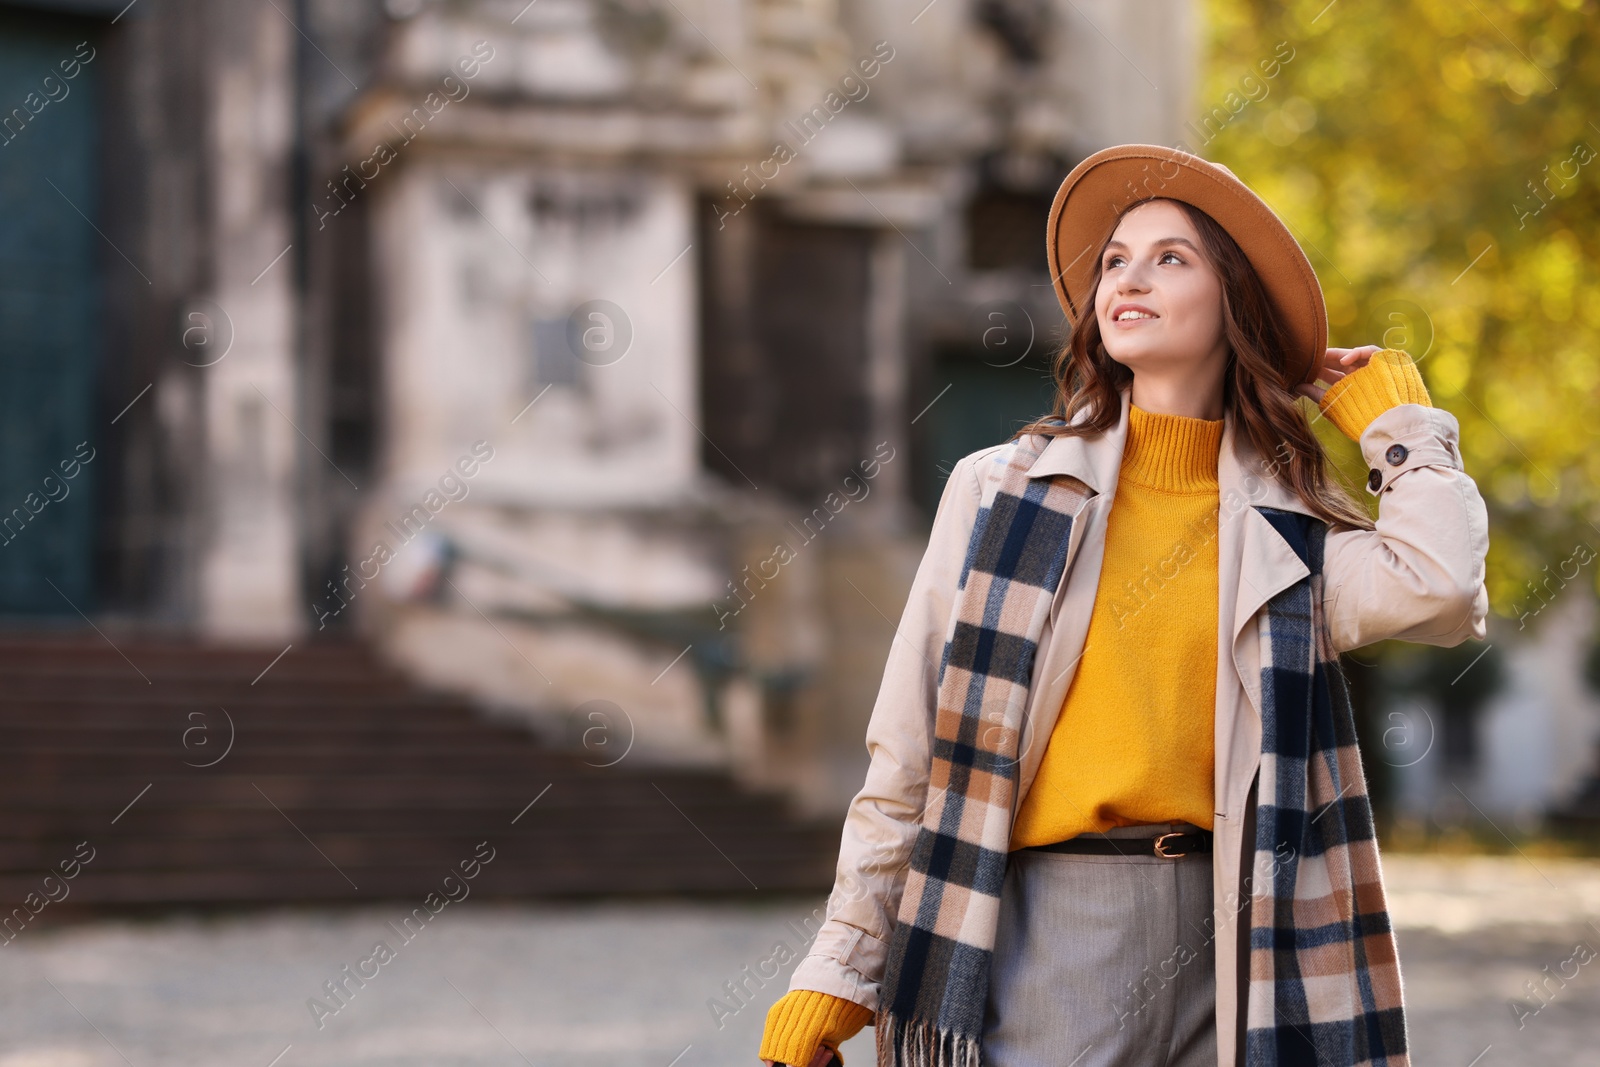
1324 973
1324 977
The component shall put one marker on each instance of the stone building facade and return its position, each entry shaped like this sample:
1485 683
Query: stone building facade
599 358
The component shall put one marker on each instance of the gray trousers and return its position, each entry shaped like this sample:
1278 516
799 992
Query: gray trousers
1103 961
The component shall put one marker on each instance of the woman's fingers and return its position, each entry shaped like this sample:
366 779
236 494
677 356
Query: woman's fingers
1338 362
1348 359
823 1057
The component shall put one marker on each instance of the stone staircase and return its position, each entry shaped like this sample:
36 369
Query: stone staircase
198 775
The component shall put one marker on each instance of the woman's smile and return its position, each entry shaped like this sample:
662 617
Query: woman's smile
1126 316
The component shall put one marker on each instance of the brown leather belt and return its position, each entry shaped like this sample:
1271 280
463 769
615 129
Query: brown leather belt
1168 846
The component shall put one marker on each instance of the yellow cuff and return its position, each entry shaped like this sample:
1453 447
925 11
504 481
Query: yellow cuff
1389 378
803 1019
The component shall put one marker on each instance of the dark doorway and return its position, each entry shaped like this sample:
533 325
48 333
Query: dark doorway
50 306
984 400
785 365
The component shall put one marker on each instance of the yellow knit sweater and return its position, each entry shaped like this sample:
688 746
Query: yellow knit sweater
1136 729
1133 742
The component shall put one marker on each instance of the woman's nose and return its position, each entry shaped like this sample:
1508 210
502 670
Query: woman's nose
1133 280
1134 277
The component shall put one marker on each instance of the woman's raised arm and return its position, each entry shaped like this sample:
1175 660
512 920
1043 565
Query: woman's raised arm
1419 575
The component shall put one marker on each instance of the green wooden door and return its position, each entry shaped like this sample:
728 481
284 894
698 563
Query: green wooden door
984 395
49 314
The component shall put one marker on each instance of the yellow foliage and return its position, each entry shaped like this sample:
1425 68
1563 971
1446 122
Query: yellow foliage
1445 158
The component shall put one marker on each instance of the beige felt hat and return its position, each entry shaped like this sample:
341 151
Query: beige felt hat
1099 188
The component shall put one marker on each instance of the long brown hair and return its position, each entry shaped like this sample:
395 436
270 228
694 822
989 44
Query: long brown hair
1253 387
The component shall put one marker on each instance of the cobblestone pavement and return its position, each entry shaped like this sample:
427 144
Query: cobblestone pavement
638 984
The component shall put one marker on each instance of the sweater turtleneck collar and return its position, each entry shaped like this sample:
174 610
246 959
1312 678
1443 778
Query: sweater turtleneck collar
1173 453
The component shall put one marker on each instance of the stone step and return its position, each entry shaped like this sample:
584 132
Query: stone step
343 783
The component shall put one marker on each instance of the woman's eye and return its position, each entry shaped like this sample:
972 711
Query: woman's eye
1115 261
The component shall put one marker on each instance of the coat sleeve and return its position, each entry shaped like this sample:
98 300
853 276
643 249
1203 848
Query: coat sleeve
848 956
1419 576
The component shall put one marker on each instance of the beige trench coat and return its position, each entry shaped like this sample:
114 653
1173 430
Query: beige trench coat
1417 577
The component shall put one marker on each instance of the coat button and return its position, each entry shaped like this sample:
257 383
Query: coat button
1396 455
1374 479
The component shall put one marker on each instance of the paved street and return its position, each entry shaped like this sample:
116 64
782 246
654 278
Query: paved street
1473 931
629 984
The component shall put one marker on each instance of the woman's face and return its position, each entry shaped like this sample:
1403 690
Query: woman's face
1159 304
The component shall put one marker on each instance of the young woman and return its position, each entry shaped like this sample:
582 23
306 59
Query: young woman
1114 813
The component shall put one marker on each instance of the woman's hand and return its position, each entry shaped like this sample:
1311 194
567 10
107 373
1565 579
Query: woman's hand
1335 365
823 1057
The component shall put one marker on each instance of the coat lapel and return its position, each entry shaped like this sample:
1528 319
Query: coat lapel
1096 462
1255 563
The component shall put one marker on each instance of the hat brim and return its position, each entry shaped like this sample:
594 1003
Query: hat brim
1098 189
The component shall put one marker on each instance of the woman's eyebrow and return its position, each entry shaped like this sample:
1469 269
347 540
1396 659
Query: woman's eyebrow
1163 241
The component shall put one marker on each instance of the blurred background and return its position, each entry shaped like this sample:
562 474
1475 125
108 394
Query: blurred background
480 449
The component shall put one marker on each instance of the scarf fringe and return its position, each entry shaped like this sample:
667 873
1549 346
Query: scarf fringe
917 1043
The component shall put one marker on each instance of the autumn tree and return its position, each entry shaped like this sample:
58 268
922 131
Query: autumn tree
1440 163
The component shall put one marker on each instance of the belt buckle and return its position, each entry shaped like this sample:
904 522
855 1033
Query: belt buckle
1160 847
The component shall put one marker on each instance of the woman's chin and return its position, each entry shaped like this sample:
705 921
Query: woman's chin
1150 356
1135 357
